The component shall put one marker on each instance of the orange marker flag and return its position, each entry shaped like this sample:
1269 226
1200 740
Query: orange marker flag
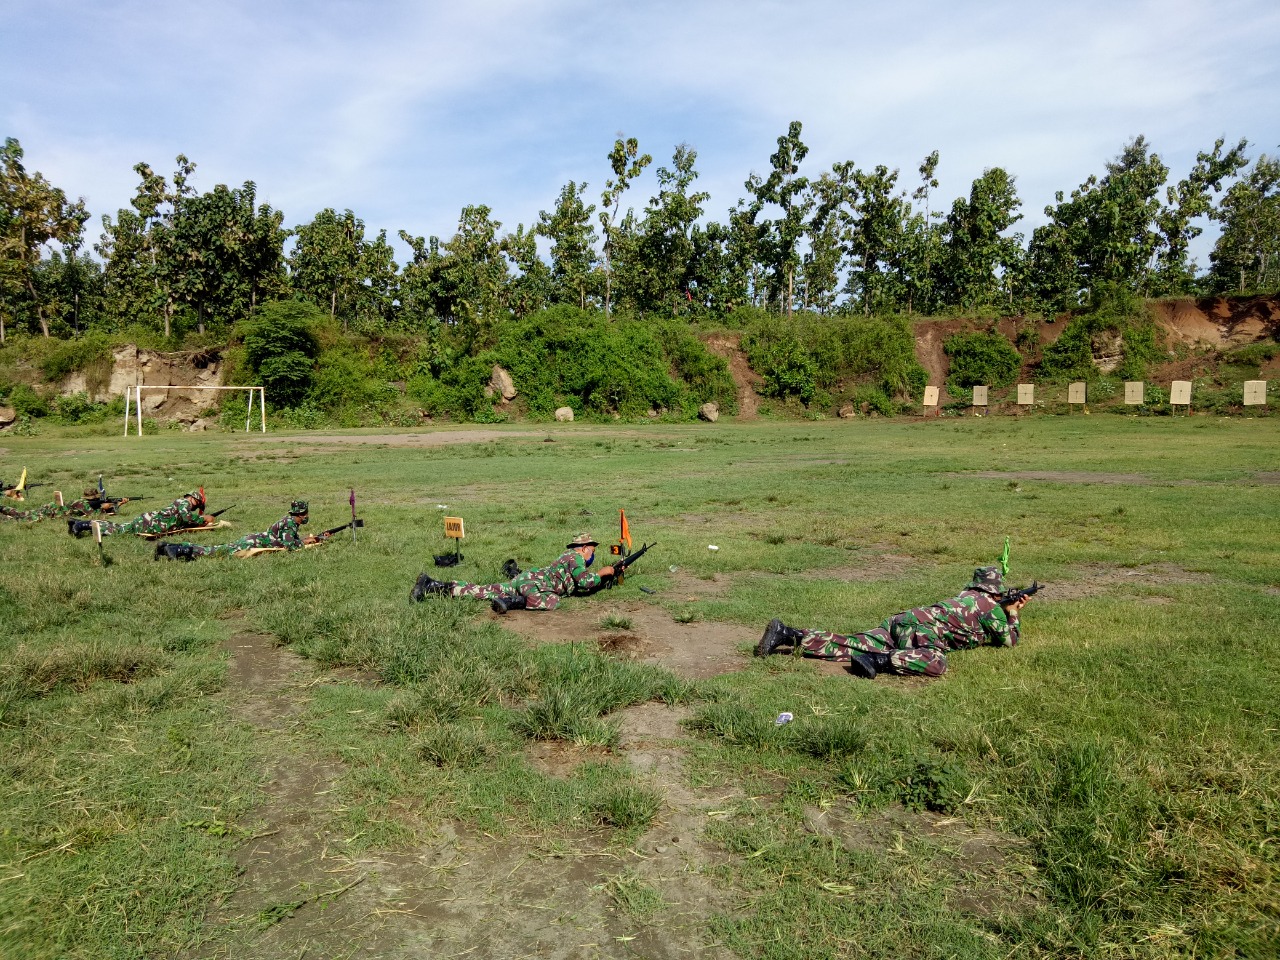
625 535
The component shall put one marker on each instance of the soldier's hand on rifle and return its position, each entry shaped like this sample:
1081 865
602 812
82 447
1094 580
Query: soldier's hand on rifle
606 571
1017 604
209 519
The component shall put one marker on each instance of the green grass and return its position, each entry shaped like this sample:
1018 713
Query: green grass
1125 753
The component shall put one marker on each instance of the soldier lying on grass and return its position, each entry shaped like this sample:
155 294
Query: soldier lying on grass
183 514
539 589
86 506
283 534
915 641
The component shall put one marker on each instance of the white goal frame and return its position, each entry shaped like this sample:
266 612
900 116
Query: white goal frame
135 393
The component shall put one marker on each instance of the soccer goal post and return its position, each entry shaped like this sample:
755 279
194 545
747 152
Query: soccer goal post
134 394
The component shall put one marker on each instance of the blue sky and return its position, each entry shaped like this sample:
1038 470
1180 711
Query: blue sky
406 111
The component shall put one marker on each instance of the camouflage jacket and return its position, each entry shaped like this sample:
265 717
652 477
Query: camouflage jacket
283 533
179 515
968 620
567 575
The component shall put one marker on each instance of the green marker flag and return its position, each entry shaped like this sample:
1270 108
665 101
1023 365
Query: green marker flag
1004 559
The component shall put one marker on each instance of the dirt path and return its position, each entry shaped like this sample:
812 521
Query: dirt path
303 892
748 381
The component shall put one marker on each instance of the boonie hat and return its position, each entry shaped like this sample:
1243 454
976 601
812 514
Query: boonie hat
298 507
988 580
584 540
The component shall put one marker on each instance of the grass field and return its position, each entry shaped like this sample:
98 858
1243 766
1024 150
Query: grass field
282 757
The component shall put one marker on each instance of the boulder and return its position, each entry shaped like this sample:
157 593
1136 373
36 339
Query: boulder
709 412
200 425
846 411
501 384
565 414
7 415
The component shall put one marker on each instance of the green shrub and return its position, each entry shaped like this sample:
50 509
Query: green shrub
280 348
1254 355
980 359
27 402
67 356
347 379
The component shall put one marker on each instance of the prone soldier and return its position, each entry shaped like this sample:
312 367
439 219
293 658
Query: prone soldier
183 514
539 589
915 641
284 533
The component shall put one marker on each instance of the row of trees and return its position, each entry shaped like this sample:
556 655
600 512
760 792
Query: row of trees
846 240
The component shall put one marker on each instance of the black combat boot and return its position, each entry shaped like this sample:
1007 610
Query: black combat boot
78 528
867 665
777 634
501 605
427 585
161 553
181 551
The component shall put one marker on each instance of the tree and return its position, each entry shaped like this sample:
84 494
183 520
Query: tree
835 196
1247 254
627 163
337 268
33 214
280 348
780 238
875 242
1190 200
573 239
978 260
659 265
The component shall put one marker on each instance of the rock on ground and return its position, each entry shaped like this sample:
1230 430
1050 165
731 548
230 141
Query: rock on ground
709 412
565 414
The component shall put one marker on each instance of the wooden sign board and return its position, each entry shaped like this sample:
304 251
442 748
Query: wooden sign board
453 528
979 396
1133 391
1180 393
1026 394
930 396
1075 393
1255 393
57 495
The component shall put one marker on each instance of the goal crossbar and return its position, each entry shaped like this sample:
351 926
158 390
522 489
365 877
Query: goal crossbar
134 394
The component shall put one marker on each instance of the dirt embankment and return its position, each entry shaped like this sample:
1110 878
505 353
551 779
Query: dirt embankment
729 346
1211 323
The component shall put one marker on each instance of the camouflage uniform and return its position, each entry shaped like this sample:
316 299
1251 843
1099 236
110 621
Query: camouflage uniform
918 640
541 588
86 506
179 515
285 532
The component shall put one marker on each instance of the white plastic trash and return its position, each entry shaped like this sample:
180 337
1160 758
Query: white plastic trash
712 546
782 718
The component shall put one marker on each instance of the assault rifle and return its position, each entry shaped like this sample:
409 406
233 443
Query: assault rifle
104 501
218 513
1013 596
358 523
6 487
620 566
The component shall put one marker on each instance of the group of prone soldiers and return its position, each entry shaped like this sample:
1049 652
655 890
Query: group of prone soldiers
913 642
188 512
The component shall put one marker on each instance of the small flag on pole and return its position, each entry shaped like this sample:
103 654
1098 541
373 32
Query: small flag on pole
624 534
352 501
1004 559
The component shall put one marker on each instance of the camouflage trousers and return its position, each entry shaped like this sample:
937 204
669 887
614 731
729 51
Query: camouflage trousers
536 596
912 651
142 524
244 543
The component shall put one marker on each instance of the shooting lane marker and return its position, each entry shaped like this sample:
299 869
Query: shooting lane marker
454 530
930 400
57 495
1255 393
1026 394
1134 391
1180 394
979 399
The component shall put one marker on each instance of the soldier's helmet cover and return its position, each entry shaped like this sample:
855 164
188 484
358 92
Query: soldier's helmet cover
91 493
987 579
583 540
198 497
299 507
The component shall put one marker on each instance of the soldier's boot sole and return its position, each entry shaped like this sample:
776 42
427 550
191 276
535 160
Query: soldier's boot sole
774 636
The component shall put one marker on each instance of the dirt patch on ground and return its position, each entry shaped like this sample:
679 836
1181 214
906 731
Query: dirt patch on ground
729 346
1099 580
1061 476
880 566
692 650
436 438
1269 476
992 870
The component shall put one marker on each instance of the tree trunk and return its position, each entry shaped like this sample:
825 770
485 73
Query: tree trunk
790 295
44 324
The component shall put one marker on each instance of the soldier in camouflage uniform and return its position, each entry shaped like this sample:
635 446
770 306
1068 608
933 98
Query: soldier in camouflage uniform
284 533
915 641
185 512
86 506
539 589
